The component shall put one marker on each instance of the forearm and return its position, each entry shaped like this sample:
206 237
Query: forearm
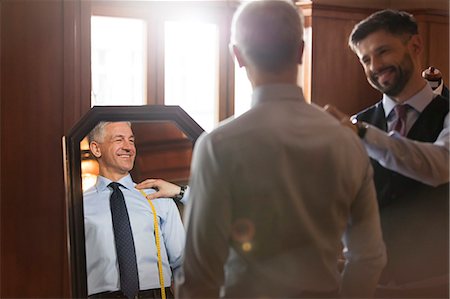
365 250
423 161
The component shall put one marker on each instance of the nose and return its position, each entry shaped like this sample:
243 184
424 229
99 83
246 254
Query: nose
127 145
375 64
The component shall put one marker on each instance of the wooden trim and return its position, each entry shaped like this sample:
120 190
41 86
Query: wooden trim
72 63
160 61
439 15
430 16
225 105
85 49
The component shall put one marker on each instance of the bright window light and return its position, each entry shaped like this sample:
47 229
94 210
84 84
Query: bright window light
191 69
118 59
242 91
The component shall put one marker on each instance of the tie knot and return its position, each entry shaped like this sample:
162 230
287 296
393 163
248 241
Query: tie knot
400 111
115 185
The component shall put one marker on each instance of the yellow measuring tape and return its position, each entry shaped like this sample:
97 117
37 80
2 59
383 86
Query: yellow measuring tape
158 246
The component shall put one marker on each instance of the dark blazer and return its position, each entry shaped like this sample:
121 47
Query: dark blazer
414 216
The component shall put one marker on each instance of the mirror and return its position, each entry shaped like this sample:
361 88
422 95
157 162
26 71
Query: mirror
165 136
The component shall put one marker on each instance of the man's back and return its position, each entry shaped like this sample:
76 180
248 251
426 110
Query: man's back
281 182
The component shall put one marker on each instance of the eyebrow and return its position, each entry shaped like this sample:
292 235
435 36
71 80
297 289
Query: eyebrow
376 51
122 136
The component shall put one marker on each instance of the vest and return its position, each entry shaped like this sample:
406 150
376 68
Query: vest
414 216
391 185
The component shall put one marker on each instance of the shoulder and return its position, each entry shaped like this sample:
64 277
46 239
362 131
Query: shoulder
441 100
370 110
164 203
90 193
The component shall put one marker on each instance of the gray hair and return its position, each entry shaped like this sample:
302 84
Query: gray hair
268 33
98 132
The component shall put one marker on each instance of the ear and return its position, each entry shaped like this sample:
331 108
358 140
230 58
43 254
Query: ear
416 44
301 47
95 149
238 55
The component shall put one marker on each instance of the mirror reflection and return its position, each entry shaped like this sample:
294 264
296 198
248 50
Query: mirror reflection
133 245
160 147
164 151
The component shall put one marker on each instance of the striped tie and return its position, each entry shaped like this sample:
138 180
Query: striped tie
400 122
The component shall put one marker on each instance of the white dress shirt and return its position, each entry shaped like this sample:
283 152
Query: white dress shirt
272 193
101 260
423 161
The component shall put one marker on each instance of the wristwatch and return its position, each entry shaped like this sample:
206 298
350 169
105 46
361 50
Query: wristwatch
180 195
361 128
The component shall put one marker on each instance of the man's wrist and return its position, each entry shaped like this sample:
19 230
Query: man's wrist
361 128
180 195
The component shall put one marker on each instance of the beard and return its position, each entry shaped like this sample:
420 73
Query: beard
402 74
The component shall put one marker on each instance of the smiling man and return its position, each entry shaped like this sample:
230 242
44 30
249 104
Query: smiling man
121 235
406 134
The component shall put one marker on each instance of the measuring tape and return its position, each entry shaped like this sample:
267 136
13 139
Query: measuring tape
158 246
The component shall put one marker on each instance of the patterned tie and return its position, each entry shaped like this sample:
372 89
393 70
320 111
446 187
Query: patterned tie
400 122
123 236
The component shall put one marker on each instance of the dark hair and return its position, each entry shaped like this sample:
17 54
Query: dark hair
391 21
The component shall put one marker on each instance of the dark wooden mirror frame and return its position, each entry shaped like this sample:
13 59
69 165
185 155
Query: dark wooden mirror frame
72 172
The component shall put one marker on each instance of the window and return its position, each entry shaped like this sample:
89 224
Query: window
118 61
164 53
191 69
242 91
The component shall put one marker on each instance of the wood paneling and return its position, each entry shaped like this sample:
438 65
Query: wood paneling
33 244
336 75
45 88
435 33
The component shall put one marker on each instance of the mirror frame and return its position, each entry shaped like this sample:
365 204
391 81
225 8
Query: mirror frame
72 173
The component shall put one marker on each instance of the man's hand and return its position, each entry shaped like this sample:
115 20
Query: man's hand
343 118
163 188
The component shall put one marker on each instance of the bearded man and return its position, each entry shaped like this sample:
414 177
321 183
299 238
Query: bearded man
406 135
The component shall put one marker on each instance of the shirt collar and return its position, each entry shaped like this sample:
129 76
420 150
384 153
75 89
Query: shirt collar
102 182
418 101
271 92
438 89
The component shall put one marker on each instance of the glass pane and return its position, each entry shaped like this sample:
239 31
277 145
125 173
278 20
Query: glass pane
191 69
118 57
242 91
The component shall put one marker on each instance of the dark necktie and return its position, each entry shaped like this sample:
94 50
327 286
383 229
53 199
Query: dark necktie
400 122
123 236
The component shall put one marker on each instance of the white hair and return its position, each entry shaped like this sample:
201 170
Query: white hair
268 33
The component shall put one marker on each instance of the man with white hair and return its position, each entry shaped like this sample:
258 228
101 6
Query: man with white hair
274 191
132 245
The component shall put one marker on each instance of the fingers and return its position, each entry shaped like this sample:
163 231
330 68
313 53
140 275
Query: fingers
153 195
148 183
163 188
342 117
336 113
